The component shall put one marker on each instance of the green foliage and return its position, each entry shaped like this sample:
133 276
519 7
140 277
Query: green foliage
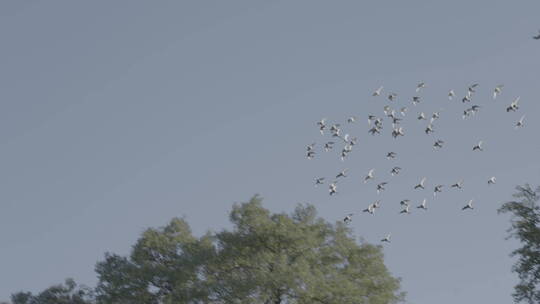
67 293
265 258
525 226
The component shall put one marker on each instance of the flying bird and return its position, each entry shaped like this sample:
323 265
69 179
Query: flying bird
420 86
513 106
458 185
429 129
437 189
519 124
421 184
391 155
397 132
405 202
392 96
395 171
423 205
370 119
497 90
374 130
468 206
370 209
319 181
403 111
348 218
380 187
322 125
342 173
405 210
421 116
537 36
478 146
333 188
369 175
387 238
438 144
328 146
378 91
491 181
310 154
416 100
451 94
351 119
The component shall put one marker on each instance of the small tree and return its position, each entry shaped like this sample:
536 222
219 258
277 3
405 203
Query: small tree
525 226
68 293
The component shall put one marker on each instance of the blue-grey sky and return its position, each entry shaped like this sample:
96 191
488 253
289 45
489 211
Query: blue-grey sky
116 116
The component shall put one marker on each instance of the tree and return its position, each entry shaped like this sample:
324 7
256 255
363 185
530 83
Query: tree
266 258
69 293
525 226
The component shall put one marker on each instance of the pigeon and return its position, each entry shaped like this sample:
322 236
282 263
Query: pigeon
434 116
310 147
458 185
405 202
348 218
378 91
497 90
351 119
421 116
387 110
405 210
403 111
369 175
344 154
474 109
319 181
420 86
478 147
328 146
471 90
437 189
421 184
468 206
333 188
380 187
391 155
395 171
467 113
377 204
451 94
438 144
397 132
513 106
342 173
322 125
491 181
378 123
537 36
370 119
429 129
392 96
395 121
374 130
467 98
370 209
310 154
423 205
519 124
387 238
416 100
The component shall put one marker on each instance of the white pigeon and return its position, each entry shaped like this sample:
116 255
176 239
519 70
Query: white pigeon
423 205
380 187
370 209
387 238
378 91
420 86
478 146
458 185
519 124
342 173
405 210
451 94
497 90
468 206
491 181
421 184
513 106
348 218
437 189
369 175
333 188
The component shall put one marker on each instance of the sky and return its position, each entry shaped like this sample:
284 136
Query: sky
117 116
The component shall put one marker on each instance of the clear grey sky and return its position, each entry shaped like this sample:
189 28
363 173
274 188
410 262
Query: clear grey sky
118 115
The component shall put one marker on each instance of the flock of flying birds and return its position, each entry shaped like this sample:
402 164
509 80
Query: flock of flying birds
395 116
